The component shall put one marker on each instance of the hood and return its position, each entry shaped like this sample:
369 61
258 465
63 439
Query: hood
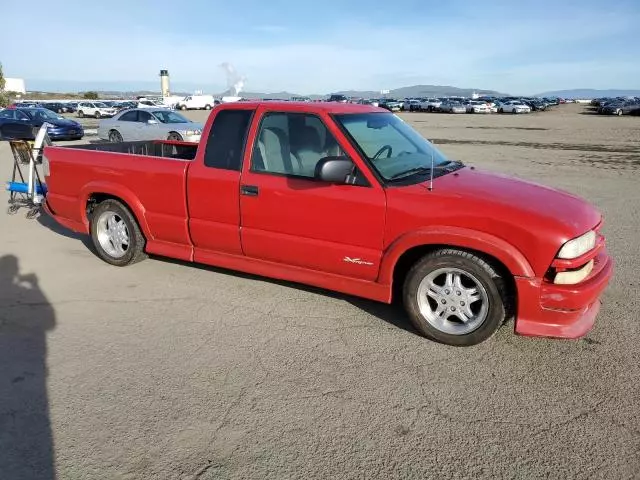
569 213
534 218
61 122
64 123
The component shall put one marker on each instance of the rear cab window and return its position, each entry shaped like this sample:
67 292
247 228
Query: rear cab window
227 139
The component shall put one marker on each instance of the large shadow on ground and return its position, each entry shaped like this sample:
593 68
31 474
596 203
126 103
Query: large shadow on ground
26 443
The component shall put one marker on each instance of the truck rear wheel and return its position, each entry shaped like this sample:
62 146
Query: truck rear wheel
116 235
454 297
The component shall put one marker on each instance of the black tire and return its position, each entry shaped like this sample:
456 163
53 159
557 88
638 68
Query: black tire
485 273
97 114
175 136
80 114
207 107
183 107
137 242
115 137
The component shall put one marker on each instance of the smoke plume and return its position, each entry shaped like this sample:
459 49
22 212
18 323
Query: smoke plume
235 82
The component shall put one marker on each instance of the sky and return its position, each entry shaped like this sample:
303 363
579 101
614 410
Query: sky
516 47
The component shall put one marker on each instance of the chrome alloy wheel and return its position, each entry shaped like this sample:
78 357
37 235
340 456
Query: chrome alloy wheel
453 301
112 234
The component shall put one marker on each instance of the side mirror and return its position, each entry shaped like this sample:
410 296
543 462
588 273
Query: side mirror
334 169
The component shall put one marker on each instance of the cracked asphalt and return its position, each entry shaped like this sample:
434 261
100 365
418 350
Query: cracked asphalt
169 371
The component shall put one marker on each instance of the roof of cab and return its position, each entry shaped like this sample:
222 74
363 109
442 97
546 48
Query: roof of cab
327 107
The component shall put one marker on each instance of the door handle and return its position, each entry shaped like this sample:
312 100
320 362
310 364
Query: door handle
251 190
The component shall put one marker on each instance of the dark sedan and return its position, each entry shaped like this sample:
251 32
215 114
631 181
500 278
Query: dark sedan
24 123
628 107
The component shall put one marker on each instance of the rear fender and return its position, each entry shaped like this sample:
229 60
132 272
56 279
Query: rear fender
115 190
465 238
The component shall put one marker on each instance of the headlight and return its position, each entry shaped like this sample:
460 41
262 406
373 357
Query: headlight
578 246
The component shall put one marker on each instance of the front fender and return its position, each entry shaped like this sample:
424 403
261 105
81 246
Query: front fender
115 190
506 253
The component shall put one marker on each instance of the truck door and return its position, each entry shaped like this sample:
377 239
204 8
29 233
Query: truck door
290 217
213 182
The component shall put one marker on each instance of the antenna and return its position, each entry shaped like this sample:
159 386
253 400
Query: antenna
431 173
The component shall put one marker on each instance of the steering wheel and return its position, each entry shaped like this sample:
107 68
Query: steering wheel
379 152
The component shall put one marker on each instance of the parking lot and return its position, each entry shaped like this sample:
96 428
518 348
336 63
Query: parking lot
166 370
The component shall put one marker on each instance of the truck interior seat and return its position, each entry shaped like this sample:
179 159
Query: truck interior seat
308 150
275 150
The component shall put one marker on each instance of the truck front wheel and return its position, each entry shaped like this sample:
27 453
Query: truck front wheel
115 234
454 297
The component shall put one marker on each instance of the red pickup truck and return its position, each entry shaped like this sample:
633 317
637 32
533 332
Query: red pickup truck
348 198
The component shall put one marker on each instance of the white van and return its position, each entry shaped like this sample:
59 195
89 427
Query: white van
196 102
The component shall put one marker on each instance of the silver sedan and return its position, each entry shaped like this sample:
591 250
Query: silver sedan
149 124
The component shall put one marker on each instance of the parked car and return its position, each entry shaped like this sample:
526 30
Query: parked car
24 123
476 106
95 109
513 106
57 107
535 104
412 105
369 101
191 105
430 104
196 102
627 107
390 104
337 97
149 124
452 106
343 197
72 107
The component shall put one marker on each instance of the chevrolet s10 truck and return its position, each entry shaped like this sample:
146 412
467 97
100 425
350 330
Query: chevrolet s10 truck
348 198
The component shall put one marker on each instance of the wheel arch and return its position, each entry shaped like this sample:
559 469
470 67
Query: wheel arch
95 193
406 250
113 129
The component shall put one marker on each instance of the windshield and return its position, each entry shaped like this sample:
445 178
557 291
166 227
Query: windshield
43 114
391 145
167 116
100 105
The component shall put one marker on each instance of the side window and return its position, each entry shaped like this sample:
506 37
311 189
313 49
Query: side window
143 117
7 114
292 144
129 116
21 115
227 139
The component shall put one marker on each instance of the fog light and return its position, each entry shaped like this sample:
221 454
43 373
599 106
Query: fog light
574 276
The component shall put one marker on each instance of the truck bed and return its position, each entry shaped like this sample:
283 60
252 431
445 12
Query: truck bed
149 175
150 148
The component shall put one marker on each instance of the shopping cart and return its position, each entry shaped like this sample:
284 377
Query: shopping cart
26 188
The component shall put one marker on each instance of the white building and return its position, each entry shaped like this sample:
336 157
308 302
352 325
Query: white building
15 85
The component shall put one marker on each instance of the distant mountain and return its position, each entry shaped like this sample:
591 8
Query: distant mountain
424 91
404 92
588 93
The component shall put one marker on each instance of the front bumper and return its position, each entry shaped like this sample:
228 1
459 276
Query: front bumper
65 133
562 311
192 138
